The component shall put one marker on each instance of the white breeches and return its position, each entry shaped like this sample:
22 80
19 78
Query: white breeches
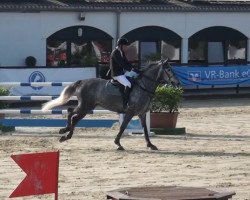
123 80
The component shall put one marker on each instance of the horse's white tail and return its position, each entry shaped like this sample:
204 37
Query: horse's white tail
62 99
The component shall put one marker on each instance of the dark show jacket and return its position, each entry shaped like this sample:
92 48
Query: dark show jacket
119 62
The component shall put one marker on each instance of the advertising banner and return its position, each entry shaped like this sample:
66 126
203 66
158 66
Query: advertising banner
43 75
213 75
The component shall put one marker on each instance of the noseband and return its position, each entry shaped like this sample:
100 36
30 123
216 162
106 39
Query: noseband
169 76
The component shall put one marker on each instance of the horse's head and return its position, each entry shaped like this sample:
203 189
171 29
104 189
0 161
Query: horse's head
159 73
166 74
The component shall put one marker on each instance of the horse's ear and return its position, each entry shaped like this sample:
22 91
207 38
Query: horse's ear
165 63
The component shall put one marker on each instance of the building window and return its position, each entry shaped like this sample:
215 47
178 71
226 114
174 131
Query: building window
89 53
57 53
215 52
218 45
132 53
78 53
223 52
148 52
170 50
140 53
236 51
82 46
102 50
154 43
197 52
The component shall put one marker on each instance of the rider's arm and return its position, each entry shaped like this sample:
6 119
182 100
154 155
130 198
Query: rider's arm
122 61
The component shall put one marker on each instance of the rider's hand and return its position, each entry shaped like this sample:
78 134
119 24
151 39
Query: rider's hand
136 70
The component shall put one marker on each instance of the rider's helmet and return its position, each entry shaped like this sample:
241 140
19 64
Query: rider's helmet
122 41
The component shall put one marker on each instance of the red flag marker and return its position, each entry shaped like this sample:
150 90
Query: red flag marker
42 174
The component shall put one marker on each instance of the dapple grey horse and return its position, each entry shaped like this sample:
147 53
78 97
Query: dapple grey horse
99 92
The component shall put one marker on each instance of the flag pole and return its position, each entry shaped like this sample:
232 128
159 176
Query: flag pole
57 174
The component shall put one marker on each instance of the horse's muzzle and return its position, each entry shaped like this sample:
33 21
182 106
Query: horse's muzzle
175 84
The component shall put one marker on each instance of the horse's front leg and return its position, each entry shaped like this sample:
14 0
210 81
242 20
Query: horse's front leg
128 116
145 128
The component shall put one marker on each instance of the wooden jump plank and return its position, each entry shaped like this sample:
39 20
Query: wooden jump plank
168 193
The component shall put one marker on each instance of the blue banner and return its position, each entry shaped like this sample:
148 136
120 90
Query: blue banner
216 75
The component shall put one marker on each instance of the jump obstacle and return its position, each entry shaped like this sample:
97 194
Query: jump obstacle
133 127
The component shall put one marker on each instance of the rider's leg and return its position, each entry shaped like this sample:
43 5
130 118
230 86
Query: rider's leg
124 81
126 97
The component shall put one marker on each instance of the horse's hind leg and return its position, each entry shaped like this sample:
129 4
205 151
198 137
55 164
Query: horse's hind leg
145 128
67 128
79 112
74 119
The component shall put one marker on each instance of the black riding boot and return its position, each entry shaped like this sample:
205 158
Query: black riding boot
126 97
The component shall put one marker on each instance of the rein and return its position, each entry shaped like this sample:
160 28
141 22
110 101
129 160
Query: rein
149 78
151 93
143 88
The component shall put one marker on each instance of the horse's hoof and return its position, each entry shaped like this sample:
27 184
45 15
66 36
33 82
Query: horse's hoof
153 147
63 138
120 148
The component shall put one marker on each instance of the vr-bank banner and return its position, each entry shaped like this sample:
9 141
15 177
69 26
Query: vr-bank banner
217 75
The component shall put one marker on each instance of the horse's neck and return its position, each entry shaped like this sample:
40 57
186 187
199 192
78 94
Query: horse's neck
149 81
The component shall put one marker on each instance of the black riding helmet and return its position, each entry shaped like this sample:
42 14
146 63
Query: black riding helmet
122 41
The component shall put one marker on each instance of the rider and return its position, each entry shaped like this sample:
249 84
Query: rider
119 65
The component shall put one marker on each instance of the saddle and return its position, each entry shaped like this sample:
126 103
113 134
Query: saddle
116 83
115 88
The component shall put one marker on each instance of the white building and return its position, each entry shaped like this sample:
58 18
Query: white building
76 33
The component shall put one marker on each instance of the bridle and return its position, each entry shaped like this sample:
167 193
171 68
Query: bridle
153 80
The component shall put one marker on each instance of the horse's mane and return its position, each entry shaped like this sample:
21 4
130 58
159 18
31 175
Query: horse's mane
146 68
149 66
152 64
